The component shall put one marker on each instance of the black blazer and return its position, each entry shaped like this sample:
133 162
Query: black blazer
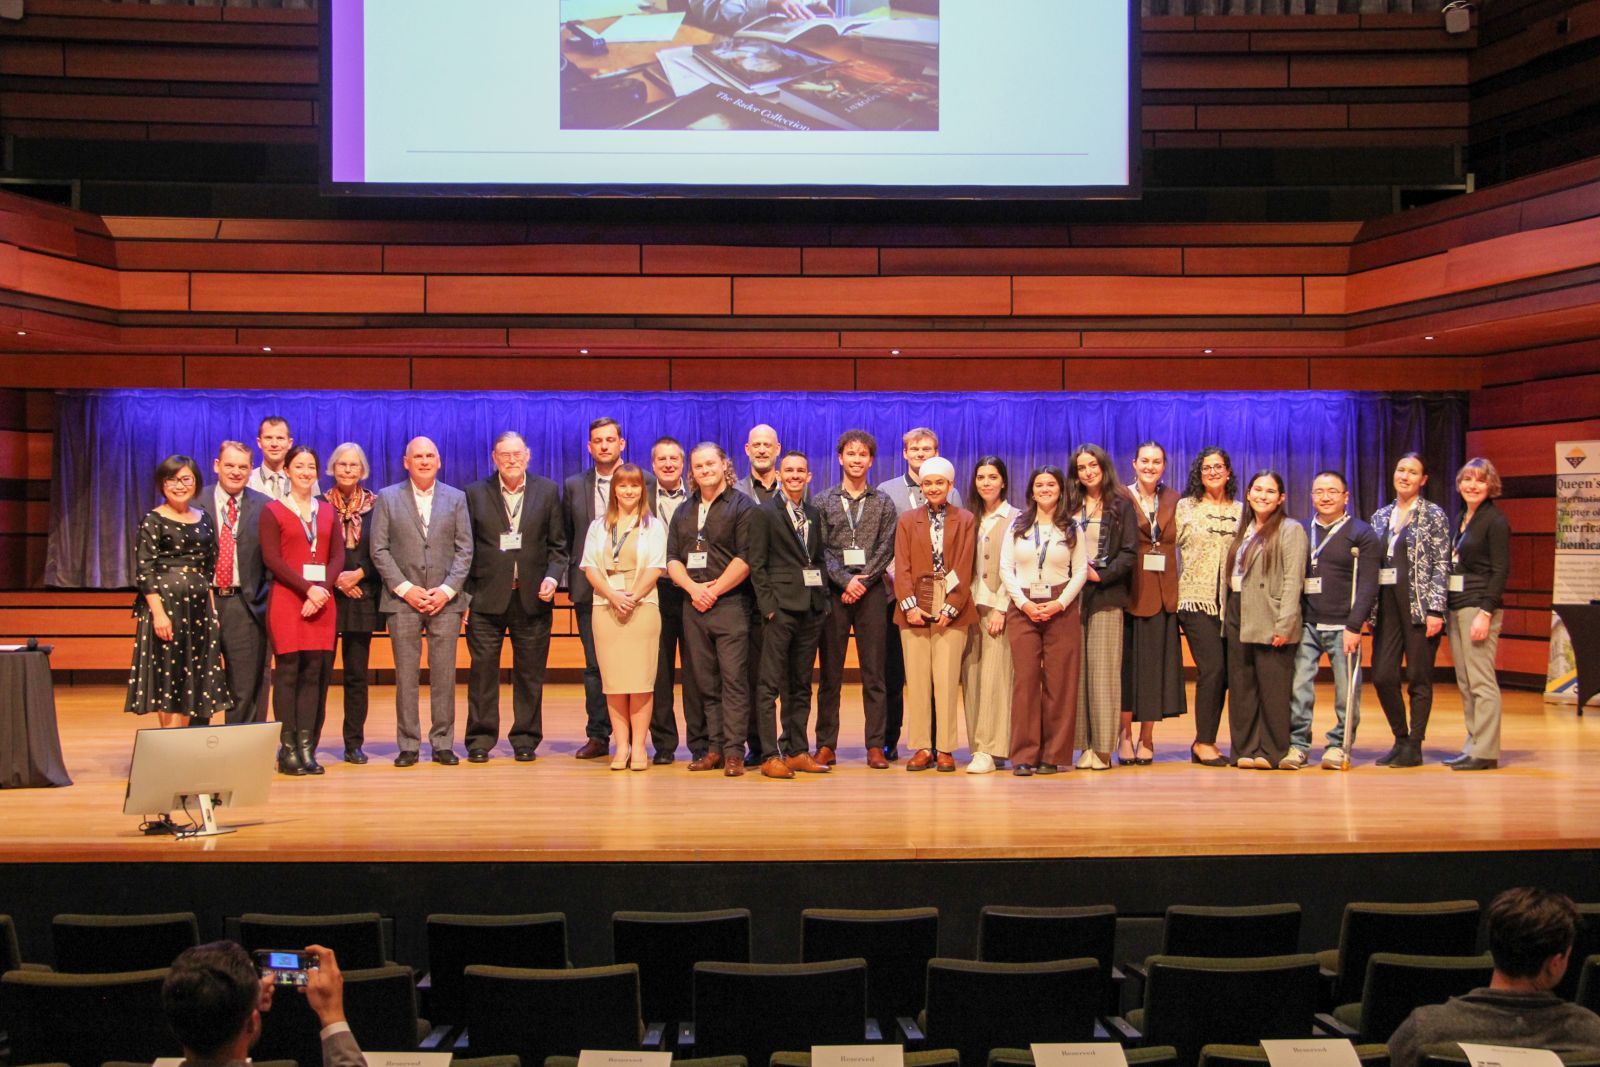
577 506
544 545
360 616
255 583
1118 552
1483 559
776 559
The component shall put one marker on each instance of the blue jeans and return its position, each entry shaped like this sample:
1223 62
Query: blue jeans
1313 643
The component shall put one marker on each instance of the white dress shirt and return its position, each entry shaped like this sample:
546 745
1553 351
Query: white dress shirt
1019 563
221 502
424 501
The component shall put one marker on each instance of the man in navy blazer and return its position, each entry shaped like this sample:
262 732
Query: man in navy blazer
241 591
422 547
519 552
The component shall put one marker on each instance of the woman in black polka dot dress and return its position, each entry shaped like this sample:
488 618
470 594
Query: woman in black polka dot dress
177 649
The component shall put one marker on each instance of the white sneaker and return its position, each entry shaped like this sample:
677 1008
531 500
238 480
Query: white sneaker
1334 759
1294 760
982 763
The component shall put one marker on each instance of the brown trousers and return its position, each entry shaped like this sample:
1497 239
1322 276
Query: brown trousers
1045 661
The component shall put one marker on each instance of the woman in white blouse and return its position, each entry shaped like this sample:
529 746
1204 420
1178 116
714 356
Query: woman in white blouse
986 666
624 552
1043 563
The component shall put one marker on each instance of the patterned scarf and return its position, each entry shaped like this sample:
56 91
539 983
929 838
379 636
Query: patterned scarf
350 511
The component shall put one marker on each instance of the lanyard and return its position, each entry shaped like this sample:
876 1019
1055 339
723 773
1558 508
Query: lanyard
1084 518
1150 513
513 514
679 495
1043 548
1316 546
617 543
849 519
310 528
705 513
1455 551
1396 532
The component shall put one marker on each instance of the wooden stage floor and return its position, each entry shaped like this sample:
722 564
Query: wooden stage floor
558 809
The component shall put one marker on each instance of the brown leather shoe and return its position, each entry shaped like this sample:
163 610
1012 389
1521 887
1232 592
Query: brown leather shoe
805 764
734 767
709 762
946 762
876 760
921 760
593 749
826 755
776 768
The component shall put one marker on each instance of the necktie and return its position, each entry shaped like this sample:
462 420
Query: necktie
224 575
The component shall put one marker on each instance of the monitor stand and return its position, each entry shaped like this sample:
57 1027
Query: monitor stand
208 822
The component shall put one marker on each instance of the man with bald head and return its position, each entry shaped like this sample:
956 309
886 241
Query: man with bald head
763 450
422 547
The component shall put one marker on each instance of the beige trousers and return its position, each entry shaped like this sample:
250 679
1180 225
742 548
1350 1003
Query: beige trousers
933 673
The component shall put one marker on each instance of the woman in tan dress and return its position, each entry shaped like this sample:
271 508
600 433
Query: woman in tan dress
624 552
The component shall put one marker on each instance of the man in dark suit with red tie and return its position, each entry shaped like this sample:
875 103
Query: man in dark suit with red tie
787 570
241 583
519 552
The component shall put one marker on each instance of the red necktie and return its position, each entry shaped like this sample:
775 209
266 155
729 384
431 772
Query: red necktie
224 577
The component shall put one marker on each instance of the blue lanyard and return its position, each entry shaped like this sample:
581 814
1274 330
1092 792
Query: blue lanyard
1316 546
1044 549
616 543
310 529
849 519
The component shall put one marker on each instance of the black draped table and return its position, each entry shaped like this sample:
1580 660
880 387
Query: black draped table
30 747
1583 628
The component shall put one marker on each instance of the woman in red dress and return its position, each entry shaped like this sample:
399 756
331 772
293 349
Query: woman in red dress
301 546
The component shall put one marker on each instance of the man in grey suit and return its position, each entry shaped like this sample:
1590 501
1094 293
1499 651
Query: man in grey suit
422 547
213 998
240 583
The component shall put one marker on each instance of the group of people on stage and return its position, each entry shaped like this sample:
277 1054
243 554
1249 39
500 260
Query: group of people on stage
1053 621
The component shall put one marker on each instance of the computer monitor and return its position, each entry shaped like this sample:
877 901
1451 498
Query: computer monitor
211 766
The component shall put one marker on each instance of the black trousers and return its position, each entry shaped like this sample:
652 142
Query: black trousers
788 650
300 688
1210 652
244 654
1261 688
357 649
530 650
758 633
663 723
594 694
719 655
1396 637
873 631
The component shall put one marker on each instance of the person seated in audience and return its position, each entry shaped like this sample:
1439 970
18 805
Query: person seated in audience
1530 937
213 999
726 16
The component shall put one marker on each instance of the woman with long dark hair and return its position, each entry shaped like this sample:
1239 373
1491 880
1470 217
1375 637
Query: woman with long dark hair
1152 657
986 678
1207 518
1267 575
1043 563
1106 524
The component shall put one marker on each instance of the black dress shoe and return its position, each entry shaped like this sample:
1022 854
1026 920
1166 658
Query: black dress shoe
353 754
477 755
1474 763
662 759
1410 755
447 757
524 754
1023 770
1388 758
1453 760
891 754
406 759
1045 768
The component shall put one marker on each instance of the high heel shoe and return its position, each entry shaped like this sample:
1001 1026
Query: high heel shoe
639 760
620 761
1129 759
1143 760
1215 761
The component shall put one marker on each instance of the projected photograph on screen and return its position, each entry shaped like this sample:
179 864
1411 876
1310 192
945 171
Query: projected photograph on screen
662 70
879 98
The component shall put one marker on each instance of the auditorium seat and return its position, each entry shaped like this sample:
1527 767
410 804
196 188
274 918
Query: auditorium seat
1149 1056
114 944
1397 983
933 1057
1253 930
455 942
1256 1056
1588 993
535 1013
356 939
11 949
1586 944
380 1004
665 946
46 1014
1440 928
756 1009
572 1061
1449 1054
896 943
975 1007
1190 1002
1037 935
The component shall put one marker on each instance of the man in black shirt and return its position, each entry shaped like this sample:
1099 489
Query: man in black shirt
707 547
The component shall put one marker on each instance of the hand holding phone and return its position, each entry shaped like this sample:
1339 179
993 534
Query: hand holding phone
286 967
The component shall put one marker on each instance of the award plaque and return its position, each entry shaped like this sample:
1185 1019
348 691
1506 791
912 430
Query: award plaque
930 594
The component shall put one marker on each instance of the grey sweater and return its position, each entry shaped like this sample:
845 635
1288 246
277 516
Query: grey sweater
1497 1017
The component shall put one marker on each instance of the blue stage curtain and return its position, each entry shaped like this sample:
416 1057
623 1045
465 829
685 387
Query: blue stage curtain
109 442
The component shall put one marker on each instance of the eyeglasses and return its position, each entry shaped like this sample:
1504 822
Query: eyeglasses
1327 492
1214 468
182 479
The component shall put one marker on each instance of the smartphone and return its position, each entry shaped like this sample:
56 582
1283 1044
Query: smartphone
283 966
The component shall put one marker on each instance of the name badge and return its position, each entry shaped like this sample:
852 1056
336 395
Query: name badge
1155 562
855 557
1236 583
951 581
1313 586
1039 591
697 561
1458 583
1388 575
511 542
812 576
314 572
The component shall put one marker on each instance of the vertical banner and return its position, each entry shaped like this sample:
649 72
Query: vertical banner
1577 571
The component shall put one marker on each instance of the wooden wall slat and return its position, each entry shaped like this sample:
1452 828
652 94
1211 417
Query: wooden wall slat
1215 72
945 296
549 295
1447 374
187 110
719 259
230 372
941 375
1319 72
1528 450
1304 259
748 375
434 372
1175 296
377 293
66 371
249 256
512 259
187 63
1065 261
839 260
1196 373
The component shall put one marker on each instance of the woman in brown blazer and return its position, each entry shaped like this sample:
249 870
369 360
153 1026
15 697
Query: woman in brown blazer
1152 658
934 549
